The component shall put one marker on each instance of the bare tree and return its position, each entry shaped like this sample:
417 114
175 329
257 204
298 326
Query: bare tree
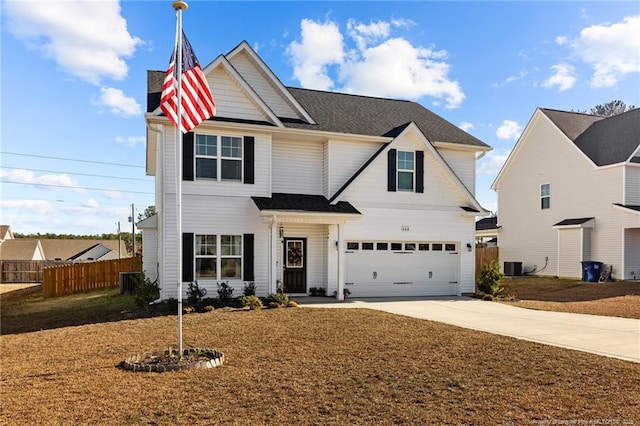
610 109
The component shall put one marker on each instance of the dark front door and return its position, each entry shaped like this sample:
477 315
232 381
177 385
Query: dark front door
295 265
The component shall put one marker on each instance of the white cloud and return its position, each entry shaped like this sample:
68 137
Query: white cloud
118 102
613 50
403 23
511 79
91 204
130 140
491 163
509 130
88 39
560 40
364 34
320 47
27 206
466 126
48 181
377 65
564 77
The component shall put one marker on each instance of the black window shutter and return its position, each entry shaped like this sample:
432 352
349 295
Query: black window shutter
249 143
247 249
187 156
419 171
187 257
391 170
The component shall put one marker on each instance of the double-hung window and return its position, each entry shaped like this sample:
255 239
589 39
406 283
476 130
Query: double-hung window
545 196
206 258
215 253
206 157
215 153
405 169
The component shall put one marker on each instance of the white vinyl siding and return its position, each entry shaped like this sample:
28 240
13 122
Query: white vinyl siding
316 236
463 164
343 160
261 84
297 167
632 185
232 101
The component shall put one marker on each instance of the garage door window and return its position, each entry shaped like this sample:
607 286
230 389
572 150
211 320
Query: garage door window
436 247
450 247
353 246
423 247
396 246
367 246
410 246
382 246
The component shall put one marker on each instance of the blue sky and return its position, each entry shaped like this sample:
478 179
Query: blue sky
74 80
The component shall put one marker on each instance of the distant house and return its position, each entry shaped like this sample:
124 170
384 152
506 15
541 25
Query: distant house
307 188
58 249
487 231
21 249
570 192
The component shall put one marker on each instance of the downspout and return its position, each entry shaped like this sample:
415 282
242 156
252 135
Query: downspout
159 161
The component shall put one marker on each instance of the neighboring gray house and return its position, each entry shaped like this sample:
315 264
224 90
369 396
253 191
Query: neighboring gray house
570 192
311 189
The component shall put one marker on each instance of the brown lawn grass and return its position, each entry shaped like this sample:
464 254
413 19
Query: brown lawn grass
299 366
617 299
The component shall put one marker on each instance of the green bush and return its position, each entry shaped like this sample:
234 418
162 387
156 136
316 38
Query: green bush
195 293
225 291
279 298
249 289
489 279
253 302
146 292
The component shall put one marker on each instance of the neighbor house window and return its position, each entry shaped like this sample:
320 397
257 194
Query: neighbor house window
405 170
215 153
213 254
545 196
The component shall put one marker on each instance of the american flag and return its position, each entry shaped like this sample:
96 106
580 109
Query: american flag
197 100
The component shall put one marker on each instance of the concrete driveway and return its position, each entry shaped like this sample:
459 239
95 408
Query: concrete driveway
607 336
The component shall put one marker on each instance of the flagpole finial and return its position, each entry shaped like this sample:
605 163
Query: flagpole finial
180 5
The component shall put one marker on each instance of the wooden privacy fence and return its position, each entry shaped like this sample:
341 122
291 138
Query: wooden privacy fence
86 276
485 255
25 271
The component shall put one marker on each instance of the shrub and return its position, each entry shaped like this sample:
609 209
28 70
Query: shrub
213 301
208 308
172 304
249 289
224 292
195 293
253 302
146 292
292 304
279 298
489 279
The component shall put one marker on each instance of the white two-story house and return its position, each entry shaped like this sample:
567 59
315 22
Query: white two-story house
570 193
310 189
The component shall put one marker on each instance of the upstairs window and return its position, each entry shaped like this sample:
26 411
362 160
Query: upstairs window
545 196
206 157
406 165
213 153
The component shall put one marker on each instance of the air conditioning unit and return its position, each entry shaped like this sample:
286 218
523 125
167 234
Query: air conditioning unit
513 269
129 282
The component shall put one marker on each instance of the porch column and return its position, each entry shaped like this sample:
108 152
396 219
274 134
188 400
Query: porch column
340 248
273 258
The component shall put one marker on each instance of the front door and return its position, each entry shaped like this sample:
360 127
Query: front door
295 265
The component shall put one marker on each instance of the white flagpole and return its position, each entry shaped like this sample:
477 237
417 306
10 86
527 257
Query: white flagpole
179 6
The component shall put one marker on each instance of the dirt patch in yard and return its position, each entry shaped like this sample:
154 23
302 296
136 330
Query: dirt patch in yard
618 299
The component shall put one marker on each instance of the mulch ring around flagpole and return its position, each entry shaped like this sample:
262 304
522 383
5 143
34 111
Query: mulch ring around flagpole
170 360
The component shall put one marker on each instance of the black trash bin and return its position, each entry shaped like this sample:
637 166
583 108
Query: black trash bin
591 271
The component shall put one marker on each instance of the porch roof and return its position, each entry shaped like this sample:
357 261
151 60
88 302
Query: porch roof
290 203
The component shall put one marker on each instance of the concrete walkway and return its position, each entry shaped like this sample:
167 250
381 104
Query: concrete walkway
607 336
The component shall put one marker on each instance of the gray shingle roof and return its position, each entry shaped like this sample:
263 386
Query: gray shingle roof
576 221
351 114
605 140
303 202
487 223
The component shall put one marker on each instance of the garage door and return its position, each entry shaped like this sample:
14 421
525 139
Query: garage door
379 269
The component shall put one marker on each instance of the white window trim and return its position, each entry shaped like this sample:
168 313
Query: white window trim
218 257
218 157
412 171
542 197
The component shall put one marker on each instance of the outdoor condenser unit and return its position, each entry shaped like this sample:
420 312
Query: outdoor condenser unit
513 269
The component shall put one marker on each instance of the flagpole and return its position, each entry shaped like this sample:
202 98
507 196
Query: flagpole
179 6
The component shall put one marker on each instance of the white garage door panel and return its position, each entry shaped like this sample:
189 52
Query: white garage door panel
372 273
